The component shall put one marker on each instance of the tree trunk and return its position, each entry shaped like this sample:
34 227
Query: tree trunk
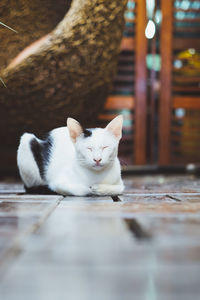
31 19
68 72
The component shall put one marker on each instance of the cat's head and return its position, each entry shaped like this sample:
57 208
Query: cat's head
96 148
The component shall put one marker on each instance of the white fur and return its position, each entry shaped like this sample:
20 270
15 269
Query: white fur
78 165
28 168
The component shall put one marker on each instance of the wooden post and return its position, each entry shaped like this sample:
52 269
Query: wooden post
166 84
140 85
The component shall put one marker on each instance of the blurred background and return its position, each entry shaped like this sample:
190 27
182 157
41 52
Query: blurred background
157 86
156 83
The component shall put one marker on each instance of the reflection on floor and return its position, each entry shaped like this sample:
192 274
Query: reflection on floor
144 244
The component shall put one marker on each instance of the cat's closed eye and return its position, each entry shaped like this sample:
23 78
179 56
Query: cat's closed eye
104 147
89 148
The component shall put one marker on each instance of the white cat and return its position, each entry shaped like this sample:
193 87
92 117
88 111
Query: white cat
73 161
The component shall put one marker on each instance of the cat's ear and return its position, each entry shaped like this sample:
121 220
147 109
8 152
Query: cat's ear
115 127
74 128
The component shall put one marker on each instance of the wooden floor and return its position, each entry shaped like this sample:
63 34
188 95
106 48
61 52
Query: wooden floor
142 245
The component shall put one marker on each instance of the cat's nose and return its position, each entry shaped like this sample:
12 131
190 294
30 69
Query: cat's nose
97 161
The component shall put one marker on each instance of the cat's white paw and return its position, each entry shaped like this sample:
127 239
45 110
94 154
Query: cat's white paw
101 189
107 189
97 189
81 190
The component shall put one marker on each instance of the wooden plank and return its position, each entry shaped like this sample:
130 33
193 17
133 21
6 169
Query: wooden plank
26 198
120 102
128 44
195 197
179 159
187 20
194 10
126 68
77 250
187 148
185 43
187 102
19 217
186 29
80 247
162 184
149 198
185 78
186 88
86 200
140 86
187 132
130 20
159 197
125 89
92 244
126 58
126 209
166 84
131 9
124 78
192 129
104 117
187 138
11 187
165 208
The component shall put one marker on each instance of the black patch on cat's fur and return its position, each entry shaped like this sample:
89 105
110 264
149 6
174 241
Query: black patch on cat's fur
87 133
41 189
41 152
37 153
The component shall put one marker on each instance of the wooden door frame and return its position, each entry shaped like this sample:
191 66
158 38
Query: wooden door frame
166 81
140 86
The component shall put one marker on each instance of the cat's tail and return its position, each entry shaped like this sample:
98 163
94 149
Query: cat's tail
28 167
